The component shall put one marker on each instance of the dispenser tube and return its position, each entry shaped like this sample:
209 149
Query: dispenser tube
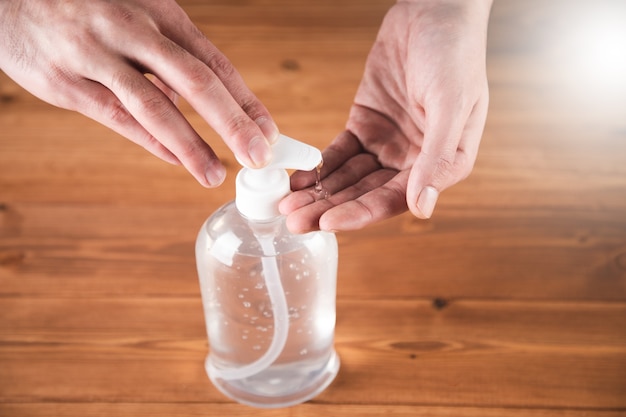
280 313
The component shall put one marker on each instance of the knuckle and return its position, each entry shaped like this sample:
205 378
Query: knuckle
154 105
198 80
203 78
451 169
193 155
124 81
112 18
60 86
120 12
186 152
220 65
442 171
252 107
116 113
141 96
238 125
167 48
444 167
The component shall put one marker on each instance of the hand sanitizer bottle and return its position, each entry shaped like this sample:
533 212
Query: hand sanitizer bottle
268 295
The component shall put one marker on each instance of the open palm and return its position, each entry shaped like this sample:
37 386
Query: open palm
415 125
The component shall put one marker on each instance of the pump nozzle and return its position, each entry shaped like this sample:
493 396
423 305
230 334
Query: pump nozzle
288 153
260 190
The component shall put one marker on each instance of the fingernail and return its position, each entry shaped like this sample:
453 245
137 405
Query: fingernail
215 176
259 152
269 128
426 201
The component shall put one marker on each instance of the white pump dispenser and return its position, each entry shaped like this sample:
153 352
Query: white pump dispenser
268 295
260 190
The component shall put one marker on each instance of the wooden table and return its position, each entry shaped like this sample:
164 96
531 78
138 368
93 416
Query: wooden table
511 301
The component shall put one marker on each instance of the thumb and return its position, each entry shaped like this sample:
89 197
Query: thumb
430 175
439 164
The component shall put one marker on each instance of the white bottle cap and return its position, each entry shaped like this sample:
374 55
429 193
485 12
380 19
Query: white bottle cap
258 191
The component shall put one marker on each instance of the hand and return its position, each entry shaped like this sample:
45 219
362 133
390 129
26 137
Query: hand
93 57
415 125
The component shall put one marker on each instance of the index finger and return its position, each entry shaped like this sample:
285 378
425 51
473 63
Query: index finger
207 94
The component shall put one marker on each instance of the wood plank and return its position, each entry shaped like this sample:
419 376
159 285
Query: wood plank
314 409
467 353
93 250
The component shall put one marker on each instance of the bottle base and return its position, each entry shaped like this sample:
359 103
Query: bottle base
273 389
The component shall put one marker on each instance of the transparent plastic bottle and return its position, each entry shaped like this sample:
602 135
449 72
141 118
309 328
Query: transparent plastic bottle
268 298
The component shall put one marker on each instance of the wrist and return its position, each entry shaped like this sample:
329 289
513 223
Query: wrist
487 3
484 5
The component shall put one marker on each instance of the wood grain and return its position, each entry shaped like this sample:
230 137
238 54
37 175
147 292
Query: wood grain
542 354
510 301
